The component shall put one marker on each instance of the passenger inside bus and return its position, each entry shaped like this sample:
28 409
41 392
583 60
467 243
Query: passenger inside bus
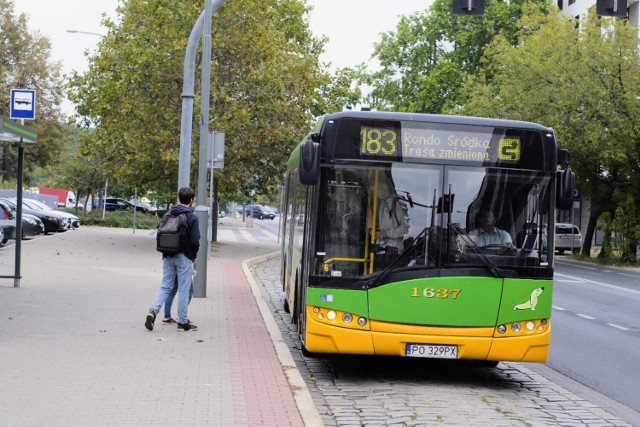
392 219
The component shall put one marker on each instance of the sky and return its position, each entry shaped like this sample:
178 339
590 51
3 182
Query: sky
348 44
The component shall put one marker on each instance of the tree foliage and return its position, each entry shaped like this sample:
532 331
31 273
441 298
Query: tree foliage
426 61
266 85
25 64
583 82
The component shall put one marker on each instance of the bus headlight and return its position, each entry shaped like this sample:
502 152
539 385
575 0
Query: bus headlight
502 329
337 318
531 325
515 327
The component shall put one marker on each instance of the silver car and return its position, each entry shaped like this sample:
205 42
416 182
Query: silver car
567 238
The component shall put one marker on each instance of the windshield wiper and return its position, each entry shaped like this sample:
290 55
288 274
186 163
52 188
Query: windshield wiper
470 243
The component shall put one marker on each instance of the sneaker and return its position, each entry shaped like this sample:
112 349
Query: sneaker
186 327
151 319
169 320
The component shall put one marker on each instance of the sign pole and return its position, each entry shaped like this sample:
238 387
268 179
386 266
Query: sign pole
18 228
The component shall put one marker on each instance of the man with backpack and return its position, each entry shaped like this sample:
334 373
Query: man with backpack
178 238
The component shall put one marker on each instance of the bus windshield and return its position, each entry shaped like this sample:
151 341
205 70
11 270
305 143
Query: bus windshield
406 217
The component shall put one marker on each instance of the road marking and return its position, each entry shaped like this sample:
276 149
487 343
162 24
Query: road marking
630 275
576 265
604 285
559 308
226 235
584 316
622 328
269 234
248 237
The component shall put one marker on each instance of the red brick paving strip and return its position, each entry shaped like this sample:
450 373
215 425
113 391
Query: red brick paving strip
264 395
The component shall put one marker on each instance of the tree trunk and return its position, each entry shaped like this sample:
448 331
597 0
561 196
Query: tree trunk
591 229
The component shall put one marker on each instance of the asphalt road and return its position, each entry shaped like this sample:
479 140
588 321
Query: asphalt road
596 329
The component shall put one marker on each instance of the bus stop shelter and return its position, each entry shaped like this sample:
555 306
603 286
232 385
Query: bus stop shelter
17 135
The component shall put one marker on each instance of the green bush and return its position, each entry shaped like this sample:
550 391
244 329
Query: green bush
119 219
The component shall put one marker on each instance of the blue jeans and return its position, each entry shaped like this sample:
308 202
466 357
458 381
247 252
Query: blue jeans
169 301
180 267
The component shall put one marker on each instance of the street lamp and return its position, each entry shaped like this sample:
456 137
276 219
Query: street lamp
84 32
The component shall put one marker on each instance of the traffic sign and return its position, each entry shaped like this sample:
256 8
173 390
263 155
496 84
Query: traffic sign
23 104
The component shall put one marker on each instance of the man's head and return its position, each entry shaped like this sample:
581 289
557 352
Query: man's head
186 195
486 221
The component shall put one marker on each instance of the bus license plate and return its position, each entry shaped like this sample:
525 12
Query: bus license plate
432 351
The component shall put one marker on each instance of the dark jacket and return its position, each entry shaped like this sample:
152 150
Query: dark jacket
192 224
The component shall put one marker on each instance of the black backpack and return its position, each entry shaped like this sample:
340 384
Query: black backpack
173 235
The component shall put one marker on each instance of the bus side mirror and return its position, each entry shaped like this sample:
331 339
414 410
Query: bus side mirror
565 187
309 167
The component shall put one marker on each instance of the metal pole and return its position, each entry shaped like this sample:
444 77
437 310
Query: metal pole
200 282
185 134
216 209
16 279
135 208
184 166
104 201
211 214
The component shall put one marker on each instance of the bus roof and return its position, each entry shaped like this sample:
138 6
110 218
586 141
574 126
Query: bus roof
438 118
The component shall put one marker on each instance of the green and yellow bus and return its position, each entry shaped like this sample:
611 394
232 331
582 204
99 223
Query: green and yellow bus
381 248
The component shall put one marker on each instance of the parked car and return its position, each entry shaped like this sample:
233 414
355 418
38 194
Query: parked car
31 224
52 220
260 212
72 221
7 230
567 237
141 206
112 204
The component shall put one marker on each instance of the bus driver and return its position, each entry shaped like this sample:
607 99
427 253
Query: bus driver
486 233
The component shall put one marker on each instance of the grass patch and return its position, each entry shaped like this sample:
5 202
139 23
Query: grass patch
119 219
611 261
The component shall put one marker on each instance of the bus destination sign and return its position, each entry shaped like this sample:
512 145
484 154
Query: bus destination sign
439 144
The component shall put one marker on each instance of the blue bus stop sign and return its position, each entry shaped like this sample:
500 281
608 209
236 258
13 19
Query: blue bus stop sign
23 104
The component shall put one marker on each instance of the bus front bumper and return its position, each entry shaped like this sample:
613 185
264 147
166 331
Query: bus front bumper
392 340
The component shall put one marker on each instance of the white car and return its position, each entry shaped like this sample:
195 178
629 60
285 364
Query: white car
567 238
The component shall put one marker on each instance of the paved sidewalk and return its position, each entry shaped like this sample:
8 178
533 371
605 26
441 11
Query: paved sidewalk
75 351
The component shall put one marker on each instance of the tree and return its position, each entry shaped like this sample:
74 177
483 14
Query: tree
266 85
583 82
25 64
426 61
